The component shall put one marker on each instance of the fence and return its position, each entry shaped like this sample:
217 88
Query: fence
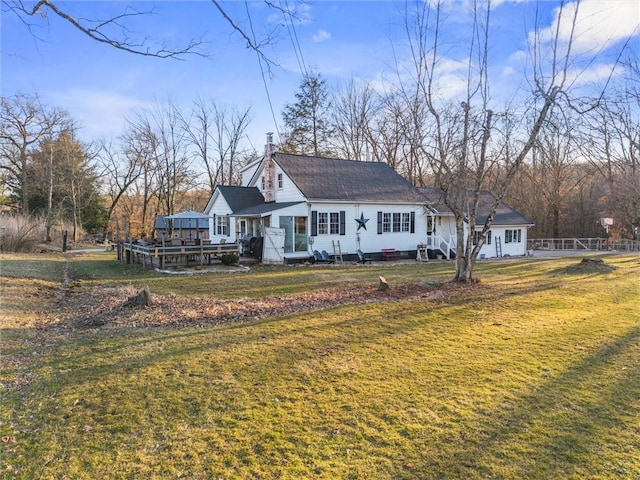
584 244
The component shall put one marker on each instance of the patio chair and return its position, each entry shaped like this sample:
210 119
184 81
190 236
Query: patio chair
318 258
362 258
326 257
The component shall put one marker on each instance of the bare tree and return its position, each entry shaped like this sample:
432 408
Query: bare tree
353 109
552 171
161 127
116 30
25 122
120 170
469 139
113 31
613 148
216 133
141 143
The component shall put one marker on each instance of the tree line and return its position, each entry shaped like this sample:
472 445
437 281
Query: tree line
582 167
563 156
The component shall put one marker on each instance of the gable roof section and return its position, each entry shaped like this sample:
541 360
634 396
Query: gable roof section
241 198
435 200
505 215
330 179
261 209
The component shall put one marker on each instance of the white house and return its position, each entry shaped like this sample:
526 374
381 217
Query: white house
290 205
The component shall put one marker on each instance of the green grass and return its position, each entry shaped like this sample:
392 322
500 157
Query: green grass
531 374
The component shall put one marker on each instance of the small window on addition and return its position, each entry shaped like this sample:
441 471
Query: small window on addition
280 181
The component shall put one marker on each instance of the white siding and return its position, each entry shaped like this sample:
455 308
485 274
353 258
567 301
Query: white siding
513 249
369 241
220 207
288 193
248 172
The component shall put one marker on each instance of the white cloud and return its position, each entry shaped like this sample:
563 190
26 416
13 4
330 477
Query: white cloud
599 24
594 74
321 36
100 112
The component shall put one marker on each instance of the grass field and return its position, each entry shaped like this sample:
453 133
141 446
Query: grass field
532 373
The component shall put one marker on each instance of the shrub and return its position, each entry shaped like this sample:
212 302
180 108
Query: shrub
229 259
20 233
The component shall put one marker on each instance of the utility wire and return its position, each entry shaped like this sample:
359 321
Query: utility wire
291 30
264 79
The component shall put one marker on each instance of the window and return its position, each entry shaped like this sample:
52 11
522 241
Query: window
406 222
386 222
328 223
334 224
513 236
396 222
222 225
323 223
280 181
476 237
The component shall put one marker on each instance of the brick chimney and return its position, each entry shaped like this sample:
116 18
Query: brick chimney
269 170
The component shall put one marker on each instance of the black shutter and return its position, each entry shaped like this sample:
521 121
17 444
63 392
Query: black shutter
228 226
314 223
215 227
379 223
413 223
343 215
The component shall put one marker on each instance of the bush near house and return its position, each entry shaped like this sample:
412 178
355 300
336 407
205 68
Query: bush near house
229 259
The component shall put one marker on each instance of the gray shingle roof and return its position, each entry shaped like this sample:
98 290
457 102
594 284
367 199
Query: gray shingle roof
505 215
241 198
330 179
265 208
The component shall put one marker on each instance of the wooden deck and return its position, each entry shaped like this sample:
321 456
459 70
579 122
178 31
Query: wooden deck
187 254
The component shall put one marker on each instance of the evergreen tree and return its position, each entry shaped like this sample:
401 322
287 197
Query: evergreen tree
308 128
67 184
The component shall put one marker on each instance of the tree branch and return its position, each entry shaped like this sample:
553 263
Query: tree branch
97 32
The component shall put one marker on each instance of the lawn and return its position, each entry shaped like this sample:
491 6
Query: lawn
534 372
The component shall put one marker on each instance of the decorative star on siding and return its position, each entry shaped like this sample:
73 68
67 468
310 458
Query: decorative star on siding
362 222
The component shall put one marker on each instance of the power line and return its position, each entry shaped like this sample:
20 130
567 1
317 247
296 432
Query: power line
262 73
291 30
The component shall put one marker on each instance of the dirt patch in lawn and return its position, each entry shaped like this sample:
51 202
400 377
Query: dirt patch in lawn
109 306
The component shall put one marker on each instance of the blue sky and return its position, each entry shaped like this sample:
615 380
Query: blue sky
99 85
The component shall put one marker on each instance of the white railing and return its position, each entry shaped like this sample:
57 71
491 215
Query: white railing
586 244
438 242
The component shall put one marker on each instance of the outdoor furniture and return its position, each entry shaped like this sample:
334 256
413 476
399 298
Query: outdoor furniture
362 258
320 258
390 254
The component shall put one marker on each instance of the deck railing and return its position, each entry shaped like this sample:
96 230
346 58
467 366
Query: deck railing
162 252
437 242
